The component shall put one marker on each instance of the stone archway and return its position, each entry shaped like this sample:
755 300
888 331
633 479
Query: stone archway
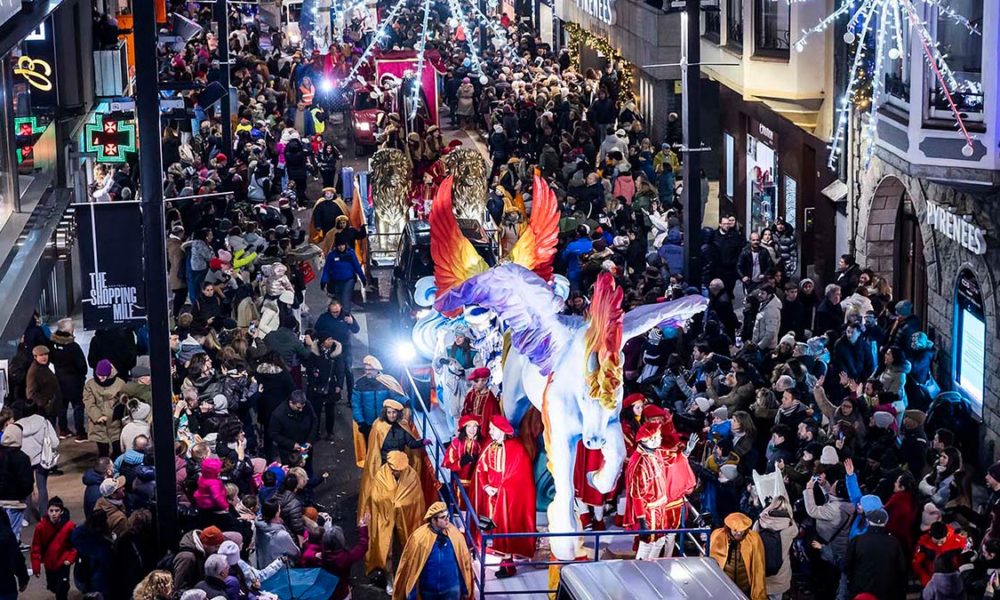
895 242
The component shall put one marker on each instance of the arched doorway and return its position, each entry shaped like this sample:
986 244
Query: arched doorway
895 246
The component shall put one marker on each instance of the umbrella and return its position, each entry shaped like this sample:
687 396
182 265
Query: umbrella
301 584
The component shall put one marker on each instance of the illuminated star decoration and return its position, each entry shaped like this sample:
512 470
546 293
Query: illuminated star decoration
112 139
884 20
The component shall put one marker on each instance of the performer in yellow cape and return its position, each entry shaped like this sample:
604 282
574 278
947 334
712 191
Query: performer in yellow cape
397 504
449 572
389 383
393 431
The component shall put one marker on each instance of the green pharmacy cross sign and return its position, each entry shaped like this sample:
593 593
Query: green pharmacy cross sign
26 128
110 137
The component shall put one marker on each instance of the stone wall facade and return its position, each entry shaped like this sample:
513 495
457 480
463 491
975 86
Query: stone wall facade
885 185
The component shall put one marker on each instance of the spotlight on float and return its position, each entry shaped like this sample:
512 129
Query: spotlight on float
326 85
405 352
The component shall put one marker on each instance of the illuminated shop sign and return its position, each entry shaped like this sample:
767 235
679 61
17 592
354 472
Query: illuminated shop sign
37 72
111 137
956 228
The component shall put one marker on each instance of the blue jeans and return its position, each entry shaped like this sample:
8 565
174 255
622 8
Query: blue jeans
16 516
343 290
453 594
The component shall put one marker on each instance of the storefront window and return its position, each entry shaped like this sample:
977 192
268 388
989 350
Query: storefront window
762 192
964 52
970 339
734 23
771 28
713 20
897 71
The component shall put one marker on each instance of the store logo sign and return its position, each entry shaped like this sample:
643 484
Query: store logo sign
38 73
602 10
765 132
956 228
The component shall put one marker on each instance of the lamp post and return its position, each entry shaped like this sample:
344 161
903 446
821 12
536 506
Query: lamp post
691 126
147 110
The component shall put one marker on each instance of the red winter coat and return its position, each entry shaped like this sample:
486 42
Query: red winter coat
902 516
927 551
51 546
211 492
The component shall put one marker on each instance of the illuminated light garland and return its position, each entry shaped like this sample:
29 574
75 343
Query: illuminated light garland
470 37
379 36
885 16
578 36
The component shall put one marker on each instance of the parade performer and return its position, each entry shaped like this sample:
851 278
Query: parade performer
463 454
480 401
656 480
505 493
436 562
389 433
397 504
367 399
631 419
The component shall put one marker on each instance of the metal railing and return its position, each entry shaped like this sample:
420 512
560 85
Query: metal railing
469 520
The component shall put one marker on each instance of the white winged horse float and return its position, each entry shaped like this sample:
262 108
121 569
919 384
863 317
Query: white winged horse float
569 367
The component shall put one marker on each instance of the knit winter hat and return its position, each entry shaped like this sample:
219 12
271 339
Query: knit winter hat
721 413
788 338
211 536
12 436
703 403
829 456
231 551
728 472
220 403
870 502
785 382
104 368
883 419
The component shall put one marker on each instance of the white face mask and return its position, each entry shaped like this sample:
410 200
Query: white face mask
328 196
496 435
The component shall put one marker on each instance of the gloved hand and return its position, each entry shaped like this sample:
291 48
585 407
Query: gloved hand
364 428
426 442
467 459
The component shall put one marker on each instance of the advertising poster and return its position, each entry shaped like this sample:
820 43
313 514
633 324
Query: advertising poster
111 264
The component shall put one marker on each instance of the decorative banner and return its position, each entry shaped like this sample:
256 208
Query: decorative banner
111 137
111 266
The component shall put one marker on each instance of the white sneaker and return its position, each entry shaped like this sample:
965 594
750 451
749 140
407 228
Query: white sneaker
389 588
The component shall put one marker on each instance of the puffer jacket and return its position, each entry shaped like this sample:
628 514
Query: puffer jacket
367 398
99 400
70 363
211 492
291 511
788 251
34 431
51 545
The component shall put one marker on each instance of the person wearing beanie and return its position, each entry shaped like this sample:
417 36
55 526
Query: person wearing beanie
16 478
51 547
340 272
436 562
875 561
739 551
938 540
194 548
100 398
211 493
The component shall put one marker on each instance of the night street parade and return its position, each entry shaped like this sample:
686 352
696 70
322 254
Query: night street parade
500 299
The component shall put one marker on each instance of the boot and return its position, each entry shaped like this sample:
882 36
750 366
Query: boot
669 542
506 569
643 552
655 548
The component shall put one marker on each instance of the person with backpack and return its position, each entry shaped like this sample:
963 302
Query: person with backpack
16 481
40 442
777 531
51 546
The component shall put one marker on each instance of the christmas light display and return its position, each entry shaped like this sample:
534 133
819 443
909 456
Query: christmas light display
421 48
579 37
885 20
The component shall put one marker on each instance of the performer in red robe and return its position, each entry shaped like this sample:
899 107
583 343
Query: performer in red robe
463 454
505 493
631 420
480 401
656 480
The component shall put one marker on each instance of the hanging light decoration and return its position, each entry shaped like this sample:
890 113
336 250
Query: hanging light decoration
877 26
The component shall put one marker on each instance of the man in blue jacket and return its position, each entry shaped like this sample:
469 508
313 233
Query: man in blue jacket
370 391
342 326
571 256
339 272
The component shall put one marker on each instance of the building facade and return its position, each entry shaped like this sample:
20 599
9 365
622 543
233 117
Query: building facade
775 116
46 83
927 216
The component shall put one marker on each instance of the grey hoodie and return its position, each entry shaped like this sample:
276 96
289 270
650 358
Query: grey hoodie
273 542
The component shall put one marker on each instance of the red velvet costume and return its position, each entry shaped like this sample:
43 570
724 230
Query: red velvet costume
655 484
482 404
460 447
505 466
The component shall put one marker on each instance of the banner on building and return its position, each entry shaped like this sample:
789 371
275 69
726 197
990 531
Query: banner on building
110 236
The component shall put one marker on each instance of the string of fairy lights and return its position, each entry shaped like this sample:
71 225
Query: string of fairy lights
886 20
421 48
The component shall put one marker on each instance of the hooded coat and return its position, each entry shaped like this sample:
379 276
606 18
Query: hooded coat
779 520
51 545
99 401
211 492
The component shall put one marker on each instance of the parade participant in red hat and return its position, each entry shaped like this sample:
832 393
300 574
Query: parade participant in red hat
633 407
463 454
480 401
654 414
656 480
505 491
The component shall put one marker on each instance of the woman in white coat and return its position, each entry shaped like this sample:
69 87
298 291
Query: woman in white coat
777 517
41 443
